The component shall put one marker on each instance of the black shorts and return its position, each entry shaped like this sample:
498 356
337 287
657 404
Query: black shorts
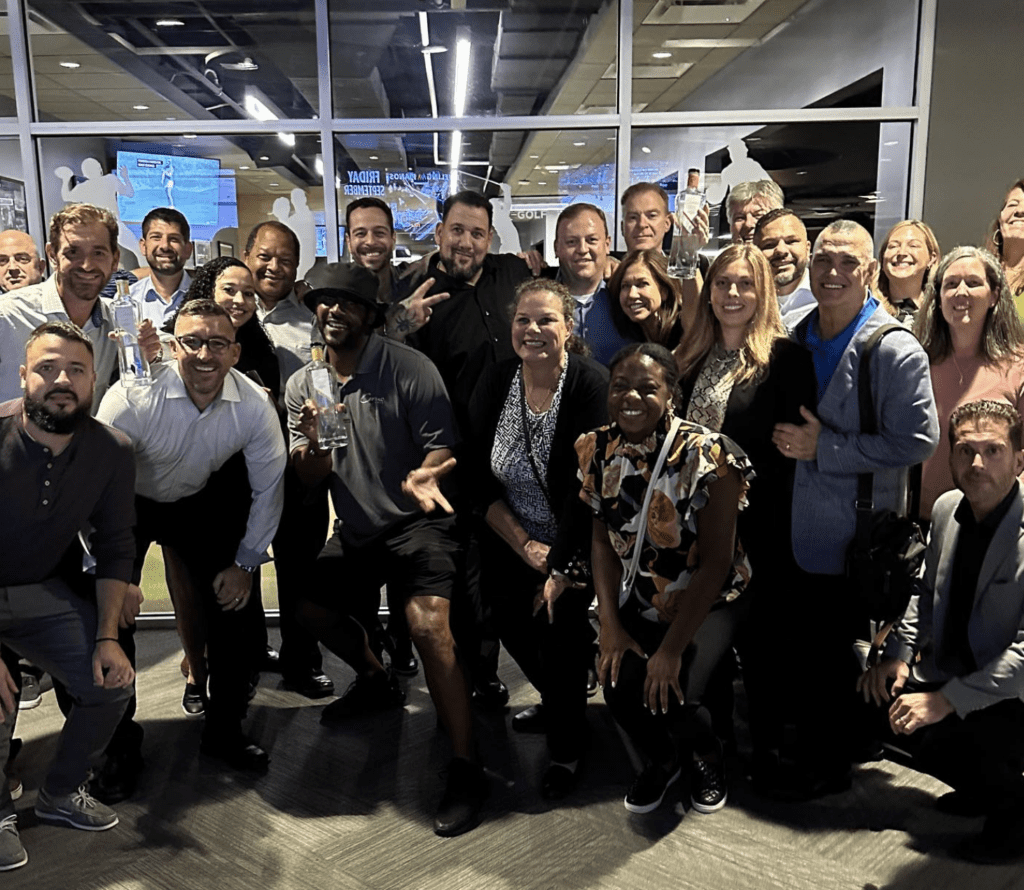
416 558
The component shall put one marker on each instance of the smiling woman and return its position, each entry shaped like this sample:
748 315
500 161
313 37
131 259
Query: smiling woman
647 303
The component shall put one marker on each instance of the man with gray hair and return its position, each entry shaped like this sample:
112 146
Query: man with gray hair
830 451
748 202
20 263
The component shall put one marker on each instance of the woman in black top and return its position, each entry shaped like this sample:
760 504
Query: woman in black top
526 414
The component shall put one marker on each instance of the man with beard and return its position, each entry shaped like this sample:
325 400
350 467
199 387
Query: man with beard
61 472
167 247
83 250
463 336
272 255
392 526
210 459
20 263
781 236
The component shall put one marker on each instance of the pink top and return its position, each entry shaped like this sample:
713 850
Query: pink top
974 379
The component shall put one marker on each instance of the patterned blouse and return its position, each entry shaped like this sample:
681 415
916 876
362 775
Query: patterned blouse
510 461
712 388
615 473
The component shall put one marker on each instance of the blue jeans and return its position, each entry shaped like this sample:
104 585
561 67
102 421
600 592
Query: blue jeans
53 627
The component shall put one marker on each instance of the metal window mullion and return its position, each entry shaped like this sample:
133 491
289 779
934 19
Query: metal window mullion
623 144
30 168
923 98
326 94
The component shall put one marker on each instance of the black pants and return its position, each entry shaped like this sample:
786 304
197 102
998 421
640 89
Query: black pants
981 754
651 734
553 656
300 538
205 530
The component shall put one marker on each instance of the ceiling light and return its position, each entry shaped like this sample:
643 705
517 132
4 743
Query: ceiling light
170 23
70 65
264 157
894 142
247 64
524 181
645 149
461 75
661 55
534 157
578 144
287 138
188 135
170 118
374 158
140 107
432 50
275 185
245 167
541 183
801 172
318 164
454 163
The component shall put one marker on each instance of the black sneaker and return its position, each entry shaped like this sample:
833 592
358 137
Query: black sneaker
464 793
708 791
648 791
365 695
193 702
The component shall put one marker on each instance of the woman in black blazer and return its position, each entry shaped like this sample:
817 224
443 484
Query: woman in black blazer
525 416
741 375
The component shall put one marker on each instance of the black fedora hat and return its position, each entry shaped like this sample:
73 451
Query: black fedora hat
347 280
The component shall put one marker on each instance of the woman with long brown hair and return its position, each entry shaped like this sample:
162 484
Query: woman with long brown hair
1006 241
647 304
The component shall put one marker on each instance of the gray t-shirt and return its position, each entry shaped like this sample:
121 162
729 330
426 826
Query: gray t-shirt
398 411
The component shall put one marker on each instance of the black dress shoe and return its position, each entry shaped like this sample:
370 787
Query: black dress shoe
558 782
241 753
531 720
118 778
314 683
464 794
365 695
271 661
193 702
490 695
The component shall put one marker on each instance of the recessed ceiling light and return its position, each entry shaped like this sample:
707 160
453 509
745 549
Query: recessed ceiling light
524 181
661 55
801 172
245 167
541 183
373 157
170 118
534 157
170 23
188 135
141 107
264 157
274 184
70 65
578 144
645 149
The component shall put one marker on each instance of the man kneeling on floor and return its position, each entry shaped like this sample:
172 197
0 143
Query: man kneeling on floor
392 524
959 711
61 472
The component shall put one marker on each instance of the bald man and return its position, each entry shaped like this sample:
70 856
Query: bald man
20 263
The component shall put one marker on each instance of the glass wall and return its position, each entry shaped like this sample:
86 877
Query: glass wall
238 112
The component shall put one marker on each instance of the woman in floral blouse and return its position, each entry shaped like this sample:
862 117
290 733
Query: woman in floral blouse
661 639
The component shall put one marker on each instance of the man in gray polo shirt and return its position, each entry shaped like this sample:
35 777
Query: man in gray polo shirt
393 525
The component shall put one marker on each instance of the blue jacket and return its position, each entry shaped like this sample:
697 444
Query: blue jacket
825 489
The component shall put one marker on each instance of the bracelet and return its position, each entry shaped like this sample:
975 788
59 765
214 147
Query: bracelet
106 639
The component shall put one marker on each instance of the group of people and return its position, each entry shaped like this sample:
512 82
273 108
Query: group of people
523 444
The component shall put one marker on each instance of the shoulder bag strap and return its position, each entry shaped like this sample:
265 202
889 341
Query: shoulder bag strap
630 576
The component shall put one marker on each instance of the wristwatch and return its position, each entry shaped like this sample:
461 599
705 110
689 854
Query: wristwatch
250 569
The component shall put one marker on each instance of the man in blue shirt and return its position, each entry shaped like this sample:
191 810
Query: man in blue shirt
167 247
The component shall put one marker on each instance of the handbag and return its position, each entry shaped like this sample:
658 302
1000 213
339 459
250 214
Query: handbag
626 584
884 559
578 570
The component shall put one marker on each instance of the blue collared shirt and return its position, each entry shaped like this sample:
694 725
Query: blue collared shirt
827 353
151 304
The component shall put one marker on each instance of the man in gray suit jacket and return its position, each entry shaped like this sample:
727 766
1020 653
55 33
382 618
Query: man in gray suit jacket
959 710
830 451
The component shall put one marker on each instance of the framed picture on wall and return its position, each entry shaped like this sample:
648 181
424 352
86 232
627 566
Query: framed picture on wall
224 248
202 252
12 205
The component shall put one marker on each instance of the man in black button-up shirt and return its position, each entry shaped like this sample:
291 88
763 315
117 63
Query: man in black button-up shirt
959 710
63 473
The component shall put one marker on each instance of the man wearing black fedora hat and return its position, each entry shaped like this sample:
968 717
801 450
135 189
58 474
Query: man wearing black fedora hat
394 523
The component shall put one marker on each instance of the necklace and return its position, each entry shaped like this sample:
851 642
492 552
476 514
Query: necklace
544 404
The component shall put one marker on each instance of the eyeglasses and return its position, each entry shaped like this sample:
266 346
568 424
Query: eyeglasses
216 345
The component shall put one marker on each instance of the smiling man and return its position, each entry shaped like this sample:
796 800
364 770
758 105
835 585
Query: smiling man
370 241
582 245
831 450
782 237
210 457
393 526
959 709
83 251
20 263
167 247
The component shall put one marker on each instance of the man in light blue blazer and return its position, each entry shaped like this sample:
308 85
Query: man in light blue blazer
959 710
830 450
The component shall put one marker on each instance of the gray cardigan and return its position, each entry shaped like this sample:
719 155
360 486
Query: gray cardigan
825 489
996 627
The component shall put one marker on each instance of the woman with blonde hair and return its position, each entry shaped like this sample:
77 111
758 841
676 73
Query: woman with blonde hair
906 257
740 375
974 338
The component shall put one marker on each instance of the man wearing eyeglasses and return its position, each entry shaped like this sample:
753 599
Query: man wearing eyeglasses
210 460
